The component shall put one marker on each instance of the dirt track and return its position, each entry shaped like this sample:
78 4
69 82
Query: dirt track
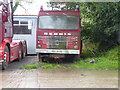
14 77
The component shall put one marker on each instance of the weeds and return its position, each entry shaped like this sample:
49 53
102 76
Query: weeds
106 60
35 66
49 65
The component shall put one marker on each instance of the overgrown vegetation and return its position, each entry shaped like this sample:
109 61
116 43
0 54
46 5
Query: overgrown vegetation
106 60
100 23
99 31
50 65
35 66
41 65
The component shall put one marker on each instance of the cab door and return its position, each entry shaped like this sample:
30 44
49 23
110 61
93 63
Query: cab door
1 31
9 23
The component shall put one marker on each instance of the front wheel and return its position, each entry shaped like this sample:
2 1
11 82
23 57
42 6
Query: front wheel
43 59
6 58
4 65
39 58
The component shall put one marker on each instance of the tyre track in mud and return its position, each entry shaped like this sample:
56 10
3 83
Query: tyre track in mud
14 77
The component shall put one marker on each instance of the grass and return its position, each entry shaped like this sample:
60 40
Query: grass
35 66
106 60
21 67
49 65
41 65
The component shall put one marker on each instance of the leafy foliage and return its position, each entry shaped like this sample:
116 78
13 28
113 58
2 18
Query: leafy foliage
18 3
106 60
100 23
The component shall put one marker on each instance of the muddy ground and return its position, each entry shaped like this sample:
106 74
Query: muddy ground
14 77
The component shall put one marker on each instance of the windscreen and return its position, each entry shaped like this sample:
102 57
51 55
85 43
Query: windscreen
58 22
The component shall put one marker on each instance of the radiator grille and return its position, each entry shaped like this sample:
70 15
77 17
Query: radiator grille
57 42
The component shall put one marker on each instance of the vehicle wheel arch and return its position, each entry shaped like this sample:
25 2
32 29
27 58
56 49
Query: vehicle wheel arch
6 52
8 45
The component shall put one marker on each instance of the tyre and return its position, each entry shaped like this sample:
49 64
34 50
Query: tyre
39 58
24 52
76 57
6 58
81 47
43 59
20 53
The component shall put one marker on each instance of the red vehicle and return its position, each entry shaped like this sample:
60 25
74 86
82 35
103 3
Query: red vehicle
9 49
58 34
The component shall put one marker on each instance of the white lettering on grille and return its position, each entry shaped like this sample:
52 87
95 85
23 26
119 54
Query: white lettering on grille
55 33
50 33
45 33
60 33
69 33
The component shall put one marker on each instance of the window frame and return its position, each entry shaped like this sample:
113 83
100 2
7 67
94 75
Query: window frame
22 24
54 28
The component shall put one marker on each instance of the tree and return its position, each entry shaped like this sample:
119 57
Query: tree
100 23
18 3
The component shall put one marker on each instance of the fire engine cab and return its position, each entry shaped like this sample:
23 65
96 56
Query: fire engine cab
9 49
58 34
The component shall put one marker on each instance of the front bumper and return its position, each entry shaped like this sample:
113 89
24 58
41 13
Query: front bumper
1 56
1 60
58 51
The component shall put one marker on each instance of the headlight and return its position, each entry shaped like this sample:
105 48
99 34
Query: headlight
39 45
75 47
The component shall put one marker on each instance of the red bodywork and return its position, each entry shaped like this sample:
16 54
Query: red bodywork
1 31
9 49
70 37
